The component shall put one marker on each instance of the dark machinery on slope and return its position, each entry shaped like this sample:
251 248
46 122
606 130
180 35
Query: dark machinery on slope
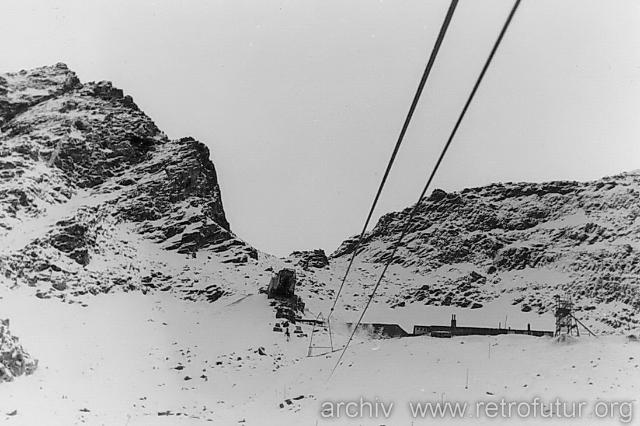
282 284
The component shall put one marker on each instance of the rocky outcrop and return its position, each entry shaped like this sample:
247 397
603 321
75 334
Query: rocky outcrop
179 175
310 258
24 89
465 291
14 360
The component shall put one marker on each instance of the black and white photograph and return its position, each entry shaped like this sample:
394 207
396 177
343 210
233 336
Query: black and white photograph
319 212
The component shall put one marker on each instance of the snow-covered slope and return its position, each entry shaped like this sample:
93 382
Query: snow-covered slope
151 359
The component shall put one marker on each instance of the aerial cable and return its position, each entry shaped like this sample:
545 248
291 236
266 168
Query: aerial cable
405 126
409 219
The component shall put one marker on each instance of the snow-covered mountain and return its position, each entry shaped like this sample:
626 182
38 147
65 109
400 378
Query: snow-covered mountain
532 241
85 176
120 273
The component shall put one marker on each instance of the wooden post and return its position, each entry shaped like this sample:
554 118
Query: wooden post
466 386
330 335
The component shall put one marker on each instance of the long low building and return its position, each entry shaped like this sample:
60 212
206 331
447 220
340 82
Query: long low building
454 330
386 331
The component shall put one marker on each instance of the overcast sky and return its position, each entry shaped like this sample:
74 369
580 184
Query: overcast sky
300 101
